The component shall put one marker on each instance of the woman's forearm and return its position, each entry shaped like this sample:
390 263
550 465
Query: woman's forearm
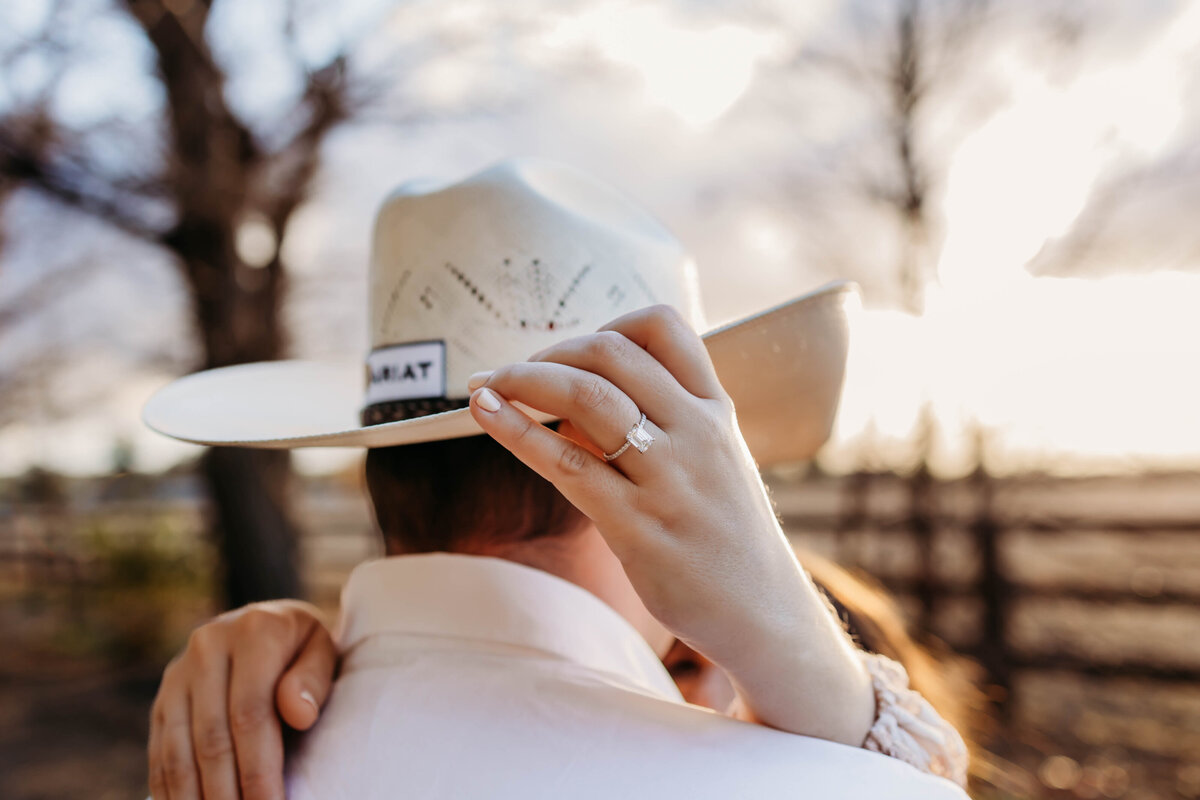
802 673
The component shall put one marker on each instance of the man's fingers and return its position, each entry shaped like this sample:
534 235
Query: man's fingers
259 742
271 642
304 687
585 480
214 729
211 739
157 775
665 334
177 764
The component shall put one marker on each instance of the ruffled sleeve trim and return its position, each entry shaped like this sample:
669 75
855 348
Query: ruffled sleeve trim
908 728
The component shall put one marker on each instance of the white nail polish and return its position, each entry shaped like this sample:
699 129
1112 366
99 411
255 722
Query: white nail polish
307 697
479 379
487 401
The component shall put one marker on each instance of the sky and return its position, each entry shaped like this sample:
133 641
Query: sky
1058 324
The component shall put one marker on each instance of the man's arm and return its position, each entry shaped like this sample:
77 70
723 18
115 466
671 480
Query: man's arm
215 725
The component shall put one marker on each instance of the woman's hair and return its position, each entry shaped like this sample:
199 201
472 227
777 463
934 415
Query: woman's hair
462 495
949 682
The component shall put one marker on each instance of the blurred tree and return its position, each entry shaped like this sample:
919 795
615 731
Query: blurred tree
217 197
42 487
903 58
919 48
900 56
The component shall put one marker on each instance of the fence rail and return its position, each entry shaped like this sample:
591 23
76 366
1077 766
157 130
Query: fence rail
922 510
985 513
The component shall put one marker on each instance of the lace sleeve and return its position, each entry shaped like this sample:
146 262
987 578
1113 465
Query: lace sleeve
908 728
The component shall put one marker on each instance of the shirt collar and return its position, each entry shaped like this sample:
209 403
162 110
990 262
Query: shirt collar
492 600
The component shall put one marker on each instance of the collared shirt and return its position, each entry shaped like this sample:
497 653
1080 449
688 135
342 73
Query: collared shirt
474 677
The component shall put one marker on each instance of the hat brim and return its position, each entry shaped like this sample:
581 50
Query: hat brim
783 367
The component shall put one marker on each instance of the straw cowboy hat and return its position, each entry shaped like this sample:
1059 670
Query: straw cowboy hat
488 271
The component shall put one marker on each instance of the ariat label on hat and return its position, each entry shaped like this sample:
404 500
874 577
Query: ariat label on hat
406 372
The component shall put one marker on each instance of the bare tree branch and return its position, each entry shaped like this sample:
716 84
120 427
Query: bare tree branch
21 165
194 180
289 172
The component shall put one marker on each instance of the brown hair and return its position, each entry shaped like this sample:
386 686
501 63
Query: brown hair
462 495
873 620
949 682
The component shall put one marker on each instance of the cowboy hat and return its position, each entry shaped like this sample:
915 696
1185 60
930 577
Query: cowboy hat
487 271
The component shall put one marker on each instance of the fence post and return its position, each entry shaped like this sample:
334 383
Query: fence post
920 522
995 591
851 515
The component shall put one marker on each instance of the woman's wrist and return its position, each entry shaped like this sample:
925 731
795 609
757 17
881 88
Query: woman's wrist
803 674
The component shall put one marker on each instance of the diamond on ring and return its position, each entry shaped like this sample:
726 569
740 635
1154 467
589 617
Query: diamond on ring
637 436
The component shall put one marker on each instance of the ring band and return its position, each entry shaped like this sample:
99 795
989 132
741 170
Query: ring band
637 436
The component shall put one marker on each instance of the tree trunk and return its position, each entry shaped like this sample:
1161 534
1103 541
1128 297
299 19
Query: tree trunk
252 529
237 312
215 164
215 174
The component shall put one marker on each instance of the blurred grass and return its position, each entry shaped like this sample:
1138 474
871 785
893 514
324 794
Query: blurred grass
92 609
128 591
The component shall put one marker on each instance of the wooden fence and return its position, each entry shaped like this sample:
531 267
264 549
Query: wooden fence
976 544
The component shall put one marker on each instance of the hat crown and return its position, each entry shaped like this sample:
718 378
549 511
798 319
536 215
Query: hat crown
487 271
507 262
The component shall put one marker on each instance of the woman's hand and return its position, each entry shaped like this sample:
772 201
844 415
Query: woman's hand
689 518
214 728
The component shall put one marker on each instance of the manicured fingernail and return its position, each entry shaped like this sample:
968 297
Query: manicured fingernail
307 697
487 401
479 379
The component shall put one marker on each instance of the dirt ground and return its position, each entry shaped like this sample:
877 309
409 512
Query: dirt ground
73 729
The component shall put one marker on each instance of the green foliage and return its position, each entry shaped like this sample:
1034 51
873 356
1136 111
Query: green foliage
150 582
135 585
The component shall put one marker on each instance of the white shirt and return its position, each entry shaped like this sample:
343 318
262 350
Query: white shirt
473 677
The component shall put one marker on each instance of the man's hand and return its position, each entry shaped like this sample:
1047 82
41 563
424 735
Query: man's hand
689 518
214 728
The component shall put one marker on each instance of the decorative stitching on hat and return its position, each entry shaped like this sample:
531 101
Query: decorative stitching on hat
535 283
395 295
562 301
475 291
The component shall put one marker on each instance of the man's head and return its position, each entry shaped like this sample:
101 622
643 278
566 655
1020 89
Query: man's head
472 496
462 495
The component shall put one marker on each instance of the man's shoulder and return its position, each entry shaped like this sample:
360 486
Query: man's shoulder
705 750
545 730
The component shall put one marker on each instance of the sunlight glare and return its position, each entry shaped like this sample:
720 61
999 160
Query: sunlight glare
696 73
1075 375
1025 176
